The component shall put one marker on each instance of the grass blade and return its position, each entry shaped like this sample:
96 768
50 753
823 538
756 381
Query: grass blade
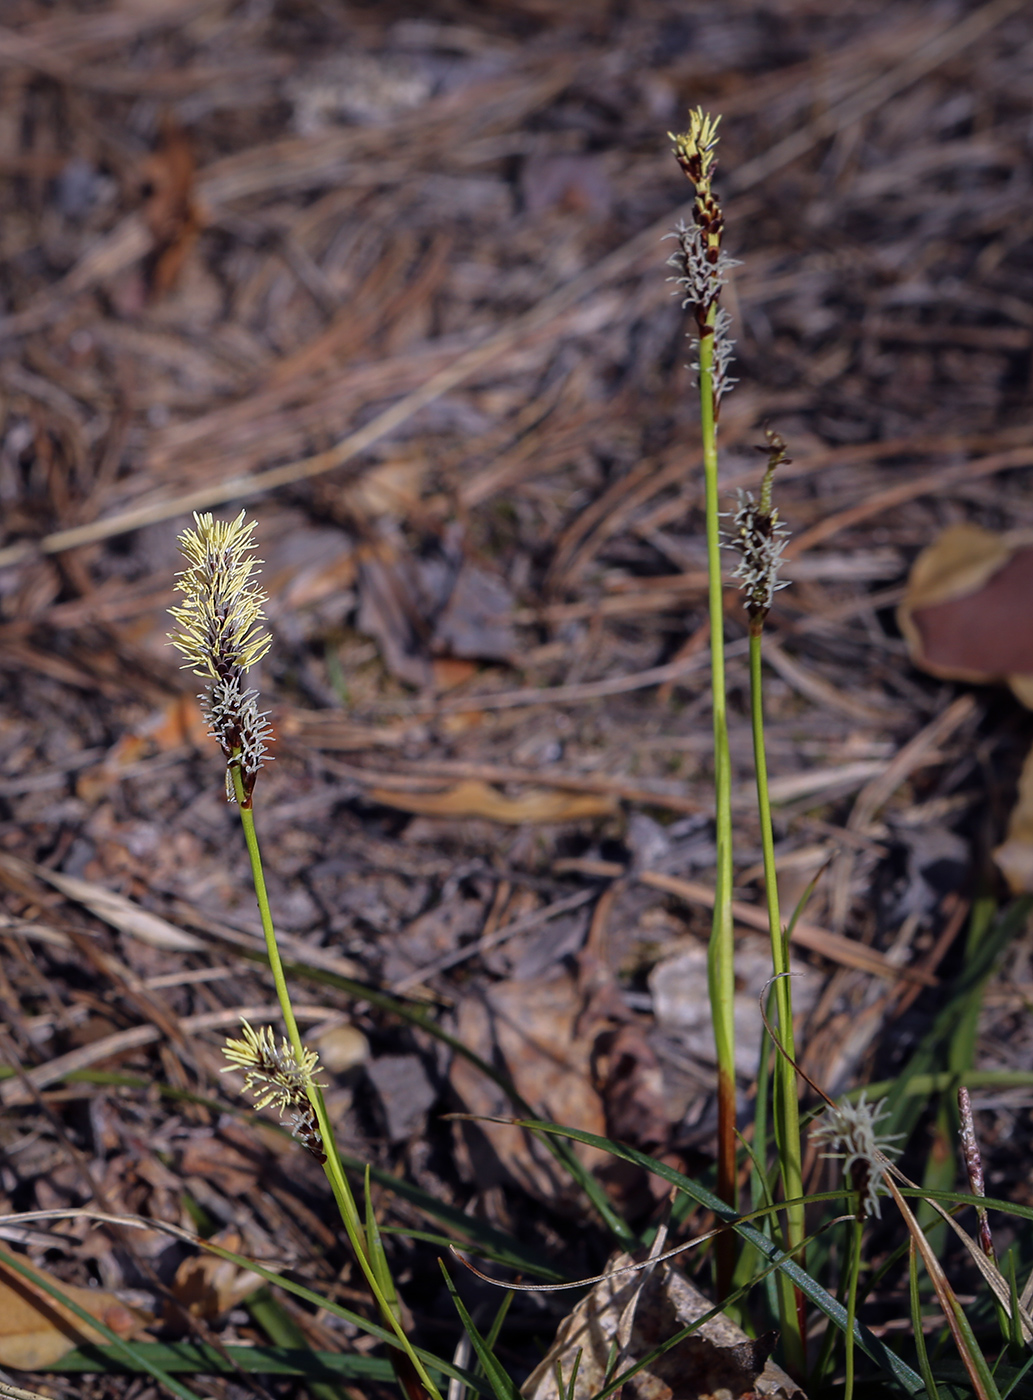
498 1377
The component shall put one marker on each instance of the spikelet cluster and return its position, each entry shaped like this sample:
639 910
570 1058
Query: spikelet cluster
701 263
849 1130
759 537
218 630
278 1078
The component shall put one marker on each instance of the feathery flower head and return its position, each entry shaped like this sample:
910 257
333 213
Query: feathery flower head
760 537
694 149
217 622
694 152
849 1129
217 630
277 1076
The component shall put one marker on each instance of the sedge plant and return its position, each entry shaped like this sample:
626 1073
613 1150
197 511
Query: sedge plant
760 537
702 270
218 629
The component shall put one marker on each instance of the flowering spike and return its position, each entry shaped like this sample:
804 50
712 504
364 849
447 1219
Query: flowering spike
276 1076
702 265
849 1129
760 537
694 149
217 630
218 619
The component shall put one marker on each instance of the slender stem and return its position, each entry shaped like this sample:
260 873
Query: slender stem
333 1166
787 1105
721 957
851 1306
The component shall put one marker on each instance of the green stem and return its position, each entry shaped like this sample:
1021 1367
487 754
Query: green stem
721 957
787 1104
333 1166
851 1305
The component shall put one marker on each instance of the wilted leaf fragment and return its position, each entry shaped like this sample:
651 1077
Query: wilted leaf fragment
474 798
208 1286
966 613
531 1029
1014 857
36 1330
966 616
717 1360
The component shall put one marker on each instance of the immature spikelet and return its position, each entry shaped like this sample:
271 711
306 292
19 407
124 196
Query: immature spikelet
278 1077
218 631
849 1129
760 537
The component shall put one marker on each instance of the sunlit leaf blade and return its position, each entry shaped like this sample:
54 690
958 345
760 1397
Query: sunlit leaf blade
498 1377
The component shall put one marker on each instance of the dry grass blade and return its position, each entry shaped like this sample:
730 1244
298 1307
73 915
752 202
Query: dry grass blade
975 1367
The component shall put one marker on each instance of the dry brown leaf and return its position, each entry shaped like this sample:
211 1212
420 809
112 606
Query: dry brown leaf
531 1027
1014 857
474 798
122 913
392 488
220 1164
965 614
717 1360
36 1330
208 1286
170 211
450 671
177 723
477 622
391 610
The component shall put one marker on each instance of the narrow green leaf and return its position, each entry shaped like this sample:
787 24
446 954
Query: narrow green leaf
281 1329
128 1349
375 1247
872 1346
498 1378
916 1324
196 1358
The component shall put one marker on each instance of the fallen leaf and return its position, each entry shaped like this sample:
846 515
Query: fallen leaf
177 723
450 671
431 935
391 611
965 614
474 798
404 1093
36 1330
219 1163
392 488
529 1028
122 913
718 1360
477 622
208 1286
170 210
629 1079
1014 857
